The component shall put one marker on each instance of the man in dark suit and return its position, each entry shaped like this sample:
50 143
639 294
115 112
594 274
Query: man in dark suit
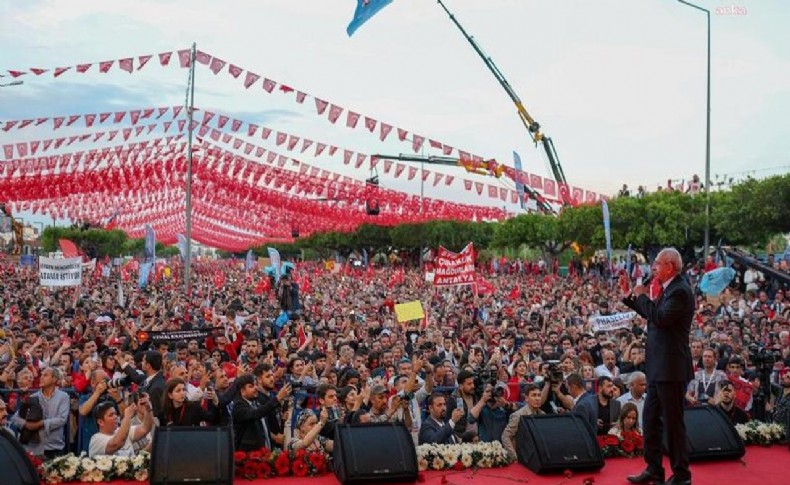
669 367
152 381
583 402
434 429
250 430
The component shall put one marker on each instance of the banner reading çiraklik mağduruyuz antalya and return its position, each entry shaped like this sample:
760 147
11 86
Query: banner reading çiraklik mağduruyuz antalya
60 271
454 268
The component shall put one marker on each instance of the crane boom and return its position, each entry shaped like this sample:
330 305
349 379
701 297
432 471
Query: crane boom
533 127
472 167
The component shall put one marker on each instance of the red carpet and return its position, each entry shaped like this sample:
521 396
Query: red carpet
760 466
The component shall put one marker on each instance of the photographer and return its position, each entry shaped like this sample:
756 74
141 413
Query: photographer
152 382
112 439
101 393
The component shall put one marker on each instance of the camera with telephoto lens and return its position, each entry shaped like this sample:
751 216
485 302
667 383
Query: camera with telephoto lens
555 373
763 358
482 379
298 387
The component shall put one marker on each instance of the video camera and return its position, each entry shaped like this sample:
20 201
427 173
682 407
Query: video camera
763 358
555 373
298 387
484 378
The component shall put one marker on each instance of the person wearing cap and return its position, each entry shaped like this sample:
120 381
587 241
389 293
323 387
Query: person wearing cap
378 412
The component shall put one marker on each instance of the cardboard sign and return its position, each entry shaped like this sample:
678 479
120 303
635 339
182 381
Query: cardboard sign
406 312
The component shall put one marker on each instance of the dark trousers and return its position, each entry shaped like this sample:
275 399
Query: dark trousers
664 408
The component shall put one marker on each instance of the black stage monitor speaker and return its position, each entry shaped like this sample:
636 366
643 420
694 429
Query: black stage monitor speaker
376 452
711 435
16 468
555 443
192 455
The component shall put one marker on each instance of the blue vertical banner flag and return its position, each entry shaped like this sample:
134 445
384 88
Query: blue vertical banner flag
182 245
786 256
365 10
364 256
145 271
274 257
150 244
607 231
249 262
519 184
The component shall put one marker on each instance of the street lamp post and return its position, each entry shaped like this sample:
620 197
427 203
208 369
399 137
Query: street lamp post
707 142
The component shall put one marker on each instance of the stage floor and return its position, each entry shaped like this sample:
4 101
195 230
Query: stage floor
760 466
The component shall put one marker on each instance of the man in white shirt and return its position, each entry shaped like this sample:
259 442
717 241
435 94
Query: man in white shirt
609 367
637 384
114 438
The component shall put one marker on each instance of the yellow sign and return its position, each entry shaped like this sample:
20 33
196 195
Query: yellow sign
407 312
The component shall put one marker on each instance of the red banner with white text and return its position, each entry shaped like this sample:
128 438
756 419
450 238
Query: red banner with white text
452 269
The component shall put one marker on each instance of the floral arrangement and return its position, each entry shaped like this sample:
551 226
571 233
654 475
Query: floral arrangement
759 433
81 468
631 444
458 457
265 463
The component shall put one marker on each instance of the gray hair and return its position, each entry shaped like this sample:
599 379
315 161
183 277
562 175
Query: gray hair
634 376
55 373
671 255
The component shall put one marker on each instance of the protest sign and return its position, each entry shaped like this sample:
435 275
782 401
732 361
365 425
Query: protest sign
453 269
407 312
605 323
60 271
171 336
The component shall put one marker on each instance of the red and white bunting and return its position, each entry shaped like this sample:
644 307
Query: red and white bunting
387 166
250 79
164 58
399 169
479 188
104 67
417 142
437 177
300 96
216 65
449 180
334 113
402 134
292 141
447 150
143 60
126 64
370 124
234 71
549 187
384 131
306 143
281 138
412 172
202 57
222 121
425 175
320 106
268 85
347 156
319 148
360 160
185 58
352 119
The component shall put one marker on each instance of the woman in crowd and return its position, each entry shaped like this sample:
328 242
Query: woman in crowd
518 381
307 431
628 421
177 411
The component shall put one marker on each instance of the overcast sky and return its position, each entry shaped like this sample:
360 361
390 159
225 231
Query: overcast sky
618 84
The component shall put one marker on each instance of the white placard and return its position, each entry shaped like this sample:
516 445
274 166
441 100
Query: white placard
60 271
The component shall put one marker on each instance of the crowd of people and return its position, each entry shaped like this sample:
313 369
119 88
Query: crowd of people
85 369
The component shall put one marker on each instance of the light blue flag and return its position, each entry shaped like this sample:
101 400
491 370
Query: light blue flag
150 244
714 282
365 10
364 256
786 256
145 271
249 261
182 246
519 185
274 257
607 231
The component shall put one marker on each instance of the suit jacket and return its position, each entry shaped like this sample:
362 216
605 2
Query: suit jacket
248 431
587 407
509 434
155 388
433 432
668 356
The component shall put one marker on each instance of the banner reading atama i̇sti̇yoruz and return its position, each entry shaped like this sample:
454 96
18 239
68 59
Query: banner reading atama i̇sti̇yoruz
454 268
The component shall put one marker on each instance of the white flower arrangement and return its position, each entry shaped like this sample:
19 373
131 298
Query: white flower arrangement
100 469
759 433
466 455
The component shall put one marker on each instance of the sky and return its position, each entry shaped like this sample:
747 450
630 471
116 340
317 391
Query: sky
619 85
